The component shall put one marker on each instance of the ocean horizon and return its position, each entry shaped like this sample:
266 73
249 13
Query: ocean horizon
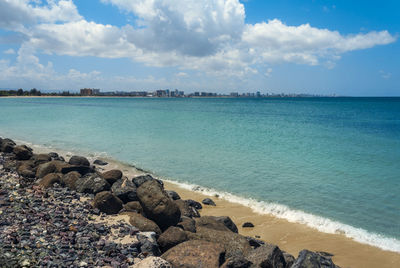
329 163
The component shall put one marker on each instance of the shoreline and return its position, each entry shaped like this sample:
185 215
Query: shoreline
289 236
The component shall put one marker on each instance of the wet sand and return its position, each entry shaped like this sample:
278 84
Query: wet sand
290 237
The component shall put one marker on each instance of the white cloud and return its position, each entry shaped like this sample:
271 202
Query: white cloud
9 51
268 72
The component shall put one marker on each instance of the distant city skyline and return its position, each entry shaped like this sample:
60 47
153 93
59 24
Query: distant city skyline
320 47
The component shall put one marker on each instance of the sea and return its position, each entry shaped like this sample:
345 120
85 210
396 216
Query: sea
330 163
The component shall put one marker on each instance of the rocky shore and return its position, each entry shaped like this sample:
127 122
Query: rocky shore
58 213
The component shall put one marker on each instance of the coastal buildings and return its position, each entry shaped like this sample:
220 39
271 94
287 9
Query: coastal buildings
89 92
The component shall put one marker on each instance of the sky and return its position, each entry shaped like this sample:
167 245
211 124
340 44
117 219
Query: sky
322 47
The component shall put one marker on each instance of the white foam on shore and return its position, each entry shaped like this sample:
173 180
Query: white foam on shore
297 216
261 207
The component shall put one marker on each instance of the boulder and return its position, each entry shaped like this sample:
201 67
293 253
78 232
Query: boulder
133 206
187 224
22 152
48 180
40 158
125 189
186 210
235 244
157 205
225 220
100 162
83 170
196 254
92 184
208 201
309 259
139 180
194 204
79 161
107 202
70 179
289 259
171 237
142 223
216 223
255 243
7 146
267 255
26 169
248 225
112 176
173 195
50 167
152 262
53 155
149 246
237 262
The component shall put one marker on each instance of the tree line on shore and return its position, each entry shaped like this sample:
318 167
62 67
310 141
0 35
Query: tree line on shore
32 92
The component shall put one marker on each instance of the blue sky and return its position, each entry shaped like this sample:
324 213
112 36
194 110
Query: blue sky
309 46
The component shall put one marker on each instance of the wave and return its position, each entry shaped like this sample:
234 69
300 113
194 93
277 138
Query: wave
297 216
261 207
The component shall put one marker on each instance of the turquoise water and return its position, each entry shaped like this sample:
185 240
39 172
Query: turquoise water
327 162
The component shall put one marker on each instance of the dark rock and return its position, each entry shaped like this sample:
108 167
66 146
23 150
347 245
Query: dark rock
7 146
107 202
237 262
100 162
186 210
92 184
133 206
149 246
79 161
26 169
194 204
255 243
213 222
70 179
125 189
48 180
187 224
173 195
227 222
234 244
142 223
171 237
157 205
112 176
139 180
196 253
267 256
40 158
53 155
289 259
208 201
248 225
50 167
83 170
309 259
22 152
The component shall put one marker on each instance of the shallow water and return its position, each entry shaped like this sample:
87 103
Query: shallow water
313 160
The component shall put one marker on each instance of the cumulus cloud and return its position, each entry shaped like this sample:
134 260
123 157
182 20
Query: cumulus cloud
209 36
9 51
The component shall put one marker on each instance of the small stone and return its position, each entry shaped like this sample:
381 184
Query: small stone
208 201
248 225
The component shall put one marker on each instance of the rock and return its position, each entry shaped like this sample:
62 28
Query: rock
125 189
173 195
186 210
171 237
53 155
227 222
40 158
237 262
48 180
234 244
142 223
69 179
139 180
26 169
78 161
133 206
187 224
50 167
83 170
157 205
194 204
112 176
309 259
213 222
107 202
267 255
208 201
22 152
152 262
248 225
255 243
149 246
289 259
7 146
100 162
195 253
92 184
